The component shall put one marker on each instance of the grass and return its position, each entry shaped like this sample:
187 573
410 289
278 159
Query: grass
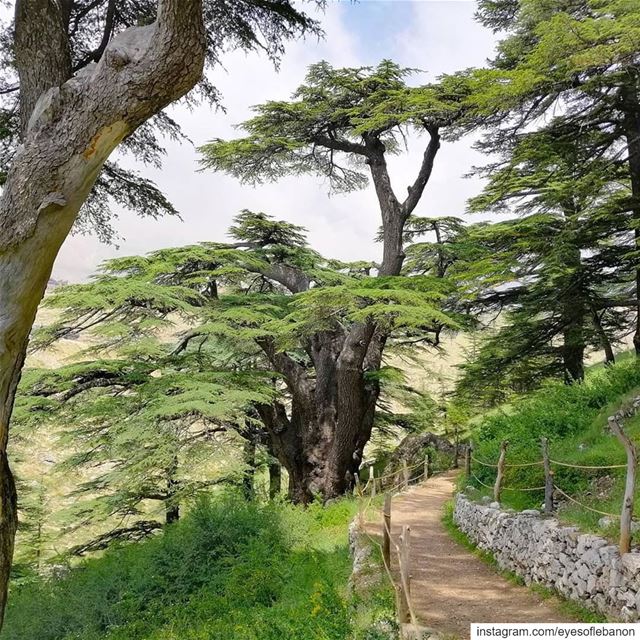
229 570
574 419
567 607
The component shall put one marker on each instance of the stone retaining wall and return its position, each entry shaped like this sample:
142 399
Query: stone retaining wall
581 567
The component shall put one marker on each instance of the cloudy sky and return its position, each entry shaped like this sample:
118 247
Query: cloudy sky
434 36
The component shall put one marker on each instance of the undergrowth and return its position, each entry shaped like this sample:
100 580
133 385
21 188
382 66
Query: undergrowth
229 570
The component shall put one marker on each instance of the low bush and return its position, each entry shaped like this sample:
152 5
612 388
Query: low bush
229 570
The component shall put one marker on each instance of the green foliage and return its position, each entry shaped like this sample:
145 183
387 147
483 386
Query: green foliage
564 270
574 419
230 570
141 429
565 263
323 127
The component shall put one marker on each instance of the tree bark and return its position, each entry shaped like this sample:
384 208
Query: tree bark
70 126
172 506
275 480
573 350
172 513
609 355
573 309
249 456
630 103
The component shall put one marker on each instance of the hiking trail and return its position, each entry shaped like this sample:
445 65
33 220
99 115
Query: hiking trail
450 586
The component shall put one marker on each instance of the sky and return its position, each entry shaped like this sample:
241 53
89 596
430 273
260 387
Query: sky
433 36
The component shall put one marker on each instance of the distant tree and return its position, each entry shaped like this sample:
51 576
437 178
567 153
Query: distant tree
436 254
82 76
572 66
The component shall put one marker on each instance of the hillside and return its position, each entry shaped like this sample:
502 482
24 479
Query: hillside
574 419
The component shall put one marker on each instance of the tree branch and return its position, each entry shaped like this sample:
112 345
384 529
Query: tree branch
335 144
417 189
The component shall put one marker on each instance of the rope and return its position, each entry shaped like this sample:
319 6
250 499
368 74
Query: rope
475 477
484 464
583 466
523 489
584 506
526 464
541 462
507 466
400 470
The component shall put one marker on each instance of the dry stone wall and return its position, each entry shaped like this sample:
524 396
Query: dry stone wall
580 566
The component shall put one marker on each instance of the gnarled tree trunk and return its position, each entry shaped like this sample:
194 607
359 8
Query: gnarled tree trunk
321 440
70 125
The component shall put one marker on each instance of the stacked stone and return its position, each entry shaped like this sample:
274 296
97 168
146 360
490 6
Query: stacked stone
581 567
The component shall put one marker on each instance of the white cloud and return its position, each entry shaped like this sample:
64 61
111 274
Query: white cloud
340 226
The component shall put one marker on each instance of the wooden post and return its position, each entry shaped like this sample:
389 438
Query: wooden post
427 466
548 478
405 610
630 485
497 487
456 454
467 461
405 475
386 531
372 480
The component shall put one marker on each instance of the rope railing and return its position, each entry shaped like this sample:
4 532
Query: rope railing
508 466
394 473
475 477
584 506
551 487
524 488
586 466
541 462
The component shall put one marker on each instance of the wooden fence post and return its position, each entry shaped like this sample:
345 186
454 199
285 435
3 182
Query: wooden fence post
497 487
548 478
405 611
467 460
427 466
405 475
629 489
372 480
386 531
456 453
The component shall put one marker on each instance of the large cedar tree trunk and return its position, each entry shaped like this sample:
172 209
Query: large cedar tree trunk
321 439
70 125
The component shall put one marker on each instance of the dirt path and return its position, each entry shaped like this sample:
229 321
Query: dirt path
450 586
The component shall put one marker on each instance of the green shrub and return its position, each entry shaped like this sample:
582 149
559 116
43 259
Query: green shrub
229 570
